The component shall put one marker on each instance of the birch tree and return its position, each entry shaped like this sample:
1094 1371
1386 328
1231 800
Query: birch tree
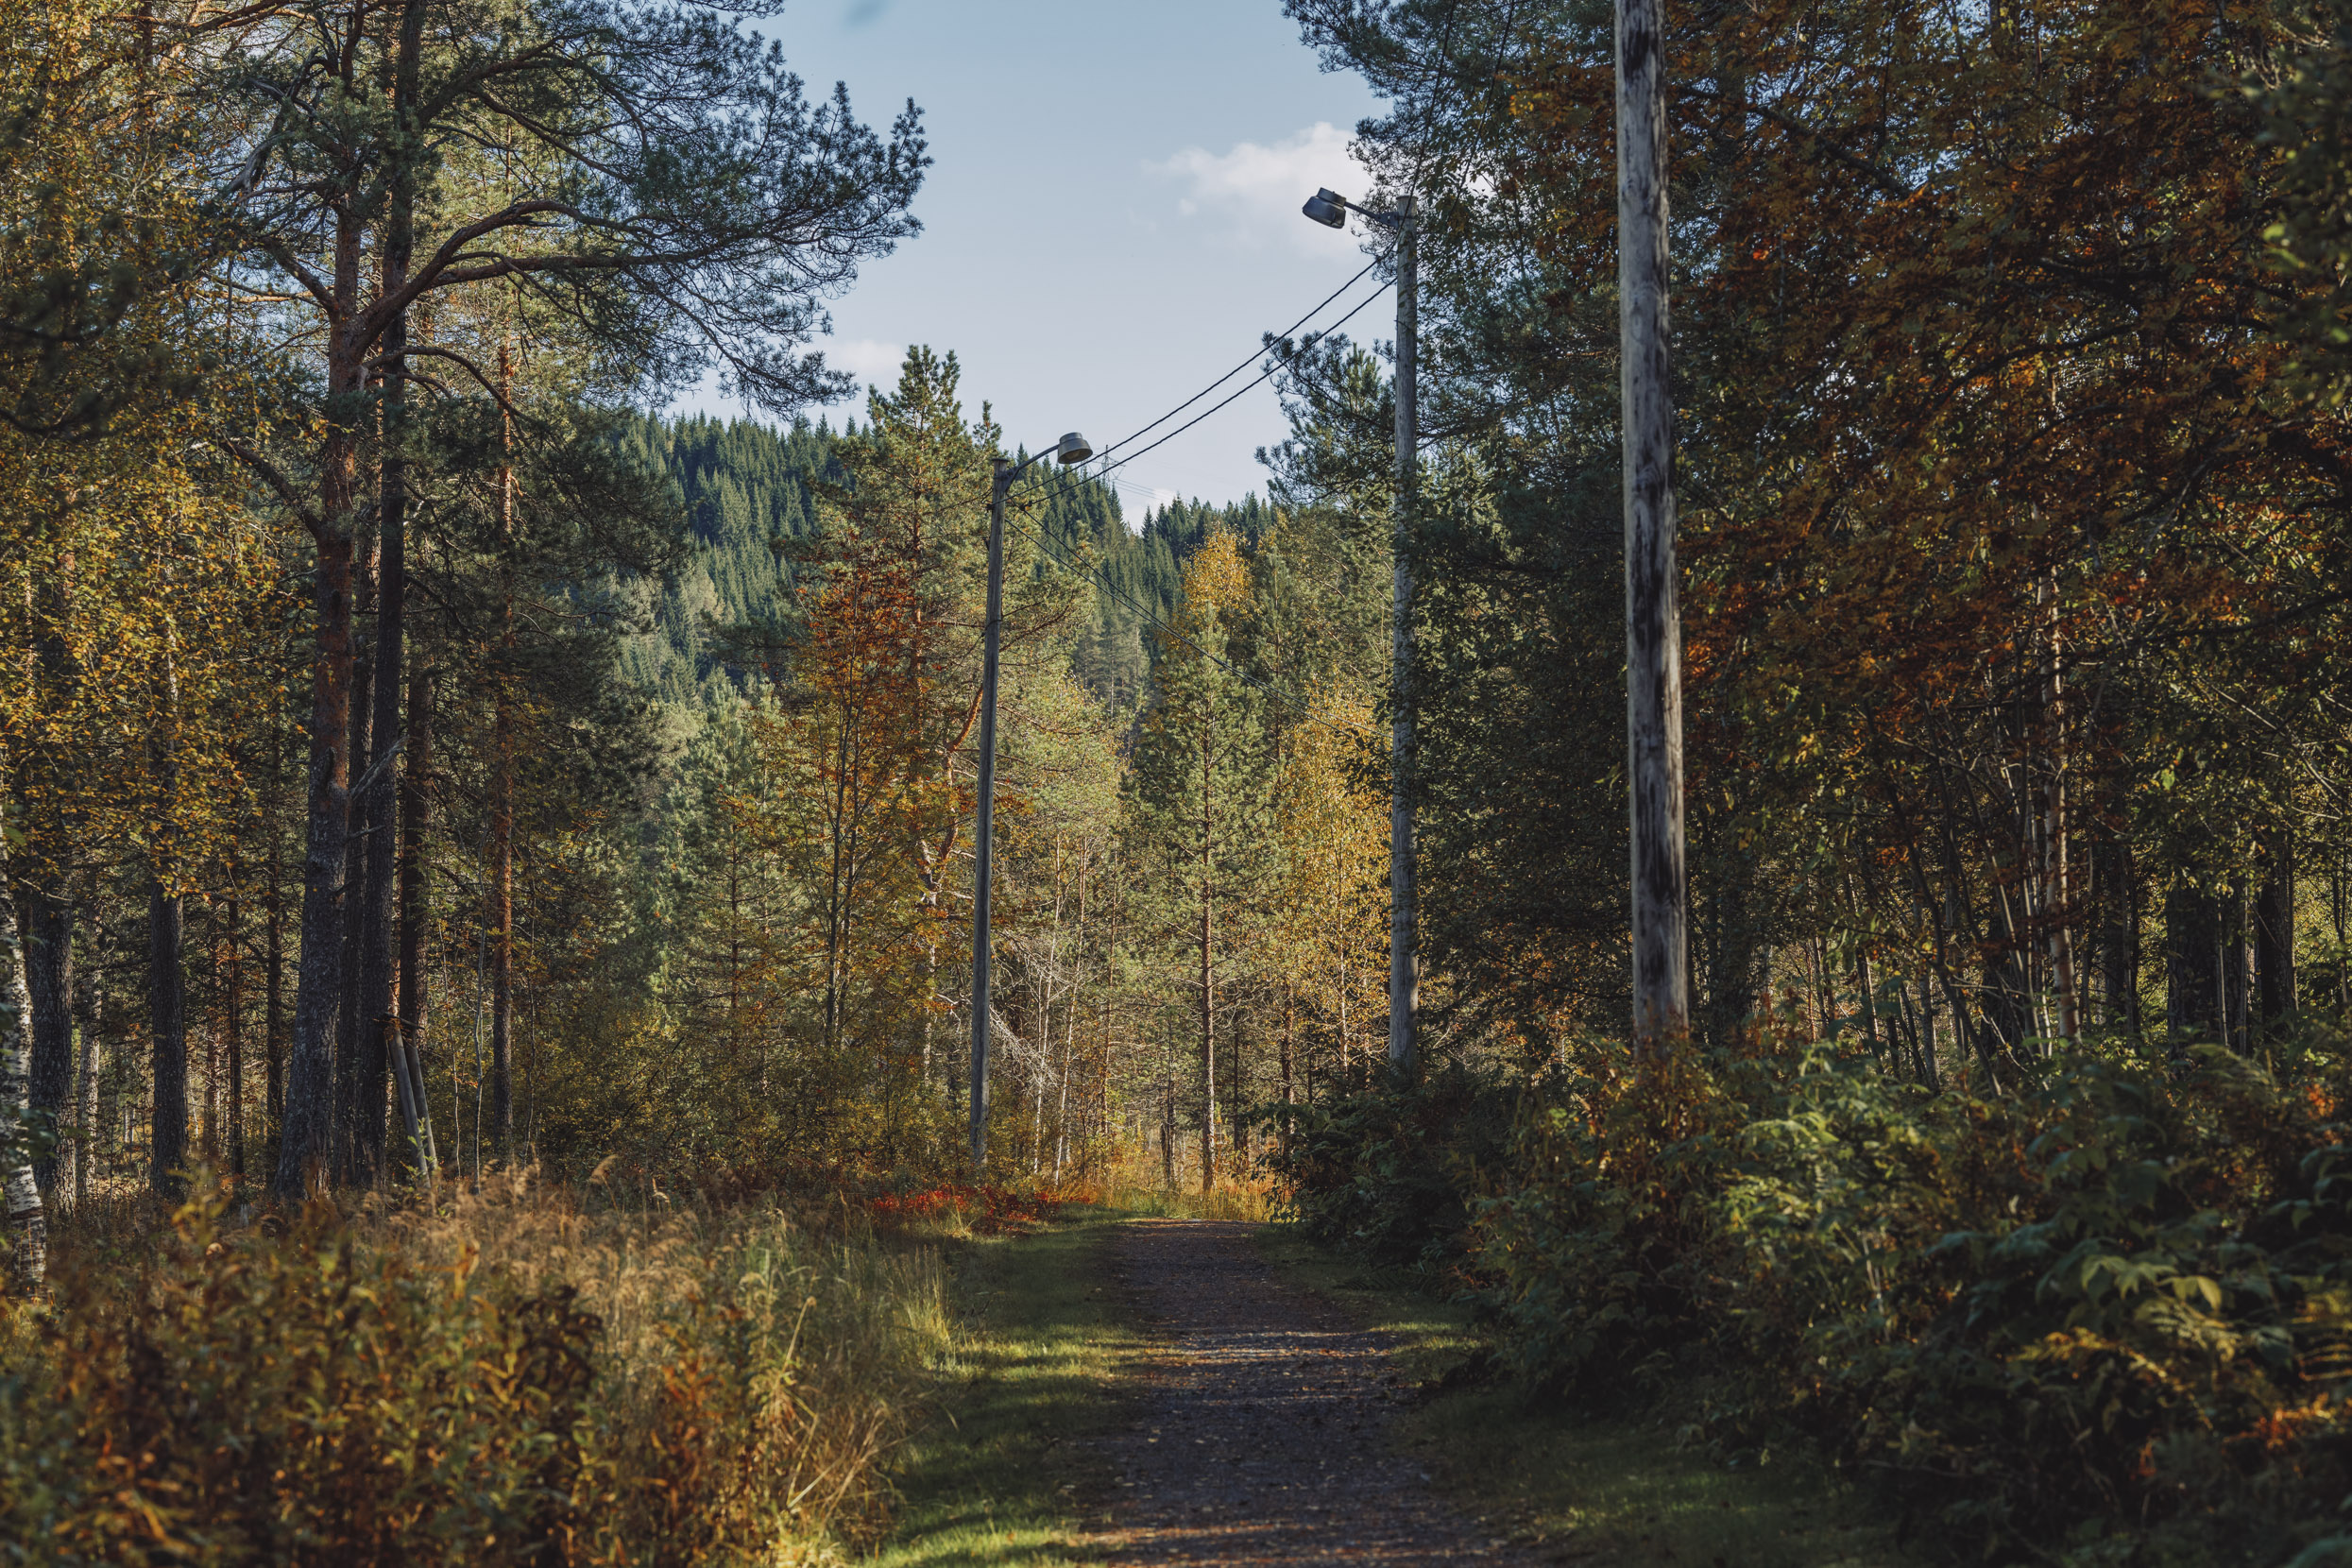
27 1230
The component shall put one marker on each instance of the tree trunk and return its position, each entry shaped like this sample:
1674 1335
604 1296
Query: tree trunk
232 1011
1289 1091
377 921
2273 929
347 1025
415 899
307 1141
306 1123
45 903
2237 969
1662 986
1868 1002
2119 946
86 1093
48 938
27 1228
167 1020
1931 1073
274 959
1167 1130
502 808
2192 945
1208 991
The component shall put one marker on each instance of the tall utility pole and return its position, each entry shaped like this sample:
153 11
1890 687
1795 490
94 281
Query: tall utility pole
1661 970
1403 953
1330 209
1072 448
985 838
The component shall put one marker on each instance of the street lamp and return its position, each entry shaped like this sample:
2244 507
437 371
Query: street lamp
1072 448
1330 209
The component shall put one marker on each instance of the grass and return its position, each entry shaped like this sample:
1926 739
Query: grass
1609 1493
998 1475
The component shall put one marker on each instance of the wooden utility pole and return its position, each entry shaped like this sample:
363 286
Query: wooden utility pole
985 833
1404 954
1661 983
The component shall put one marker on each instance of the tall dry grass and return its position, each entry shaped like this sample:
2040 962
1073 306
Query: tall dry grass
1136 1186
523 1373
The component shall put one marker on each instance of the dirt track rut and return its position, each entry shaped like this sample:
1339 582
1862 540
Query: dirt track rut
1262 1433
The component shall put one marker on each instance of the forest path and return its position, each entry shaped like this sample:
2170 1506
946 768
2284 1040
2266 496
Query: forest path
1261 1432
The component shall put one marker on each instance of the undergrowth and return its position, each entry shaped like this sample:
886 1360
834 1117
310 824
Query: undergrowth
2104 1318
518 1376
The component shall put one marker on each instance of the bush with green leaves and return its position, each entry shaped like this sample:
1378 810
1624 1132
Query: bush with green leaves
1388 1175
2105 1318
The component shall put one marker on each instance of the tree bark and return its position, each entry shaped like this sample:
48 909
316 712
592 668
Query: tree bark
2192 979
2057 890
1661 987
232 1008
27 1227
417 895
45 903
86 1093
307 1133
2273 929
167 1021
48 939
502 808
2237 969
1208 991
354 886
2119 948
377 920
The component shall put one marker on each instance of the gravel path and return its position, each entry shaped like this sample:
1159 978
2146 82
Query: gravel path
1263 1430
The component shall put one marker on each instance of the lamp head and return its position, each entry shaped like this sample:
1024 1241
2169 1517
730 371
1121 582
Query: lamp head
1328 208
1073 448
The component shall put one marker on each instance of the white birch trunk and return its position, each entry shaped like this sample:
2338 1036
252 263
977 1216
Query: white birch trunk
27 1231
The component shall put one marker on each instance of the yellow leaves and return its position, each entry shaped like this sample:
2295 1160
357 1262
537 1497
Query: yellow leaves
1216 580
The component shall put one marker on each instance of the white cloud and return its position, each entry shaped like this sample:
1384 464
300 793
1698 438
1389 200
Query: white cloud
1253 192
875 364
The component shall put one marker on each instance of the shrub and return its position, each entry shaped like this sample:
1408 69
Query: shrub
515 1378
1387 1175
2106 1318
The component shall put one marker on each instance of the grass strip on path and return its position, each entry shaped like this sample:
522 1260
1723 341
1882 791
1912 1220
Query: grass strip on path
998 1475
1613 1494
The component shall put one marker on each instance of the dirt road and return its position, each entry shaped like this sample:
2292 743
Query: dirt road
1263 1429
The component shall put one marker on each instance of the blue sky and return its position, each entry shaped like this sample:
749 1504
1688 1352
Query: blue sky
1113 215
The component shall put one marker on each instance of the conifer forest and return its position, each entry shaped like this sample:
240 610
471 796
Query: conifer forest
1753 818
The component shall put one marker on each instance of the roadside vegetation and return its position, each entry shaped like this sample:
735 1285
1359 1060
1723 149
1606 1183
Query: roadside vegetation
522 1374
1623 1489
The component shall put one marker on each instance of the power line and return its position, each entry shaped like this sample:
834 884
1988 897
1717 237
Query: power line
1063 486
1236 369
1267 375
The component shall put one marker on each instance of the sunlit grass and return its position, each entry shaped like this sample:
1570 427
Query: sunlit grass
1028 1377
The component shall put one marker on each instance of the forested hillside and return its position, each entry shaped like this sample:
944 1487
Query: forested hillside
479 841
